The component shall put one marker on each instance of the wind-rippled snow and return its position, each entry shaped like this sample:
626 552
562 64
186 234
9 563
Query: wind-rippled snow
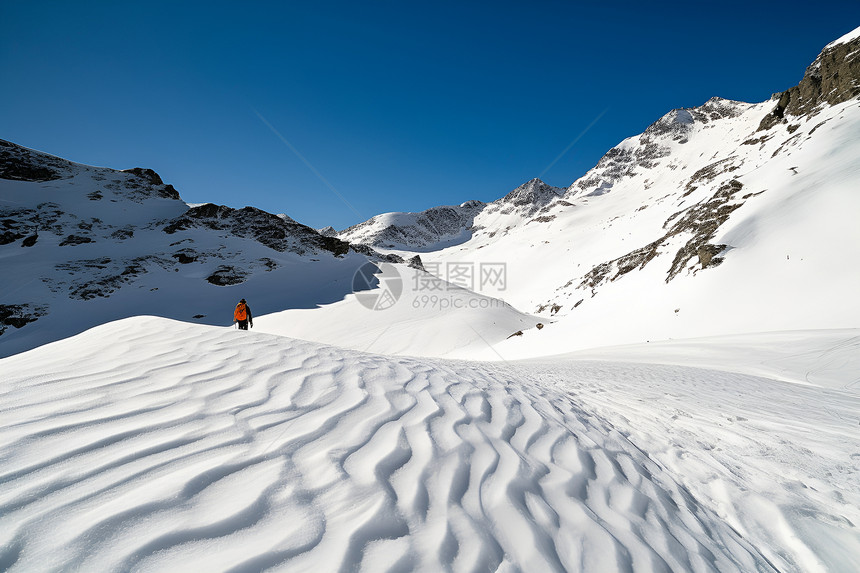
153 445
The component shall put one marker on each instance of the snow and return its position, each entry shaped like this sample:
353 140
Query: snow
561 419
850 36
789 243
150 445
437 319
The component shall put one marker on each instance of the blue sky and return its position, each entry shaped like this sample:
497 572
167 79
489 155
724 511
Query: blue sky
392 106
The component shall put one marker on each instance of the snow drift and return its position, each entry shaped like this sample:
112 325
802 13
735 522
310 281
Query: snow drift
152 445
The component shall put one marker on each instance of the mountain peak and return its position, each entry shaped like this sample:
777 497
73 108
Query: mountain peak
847 38
833 78
532 192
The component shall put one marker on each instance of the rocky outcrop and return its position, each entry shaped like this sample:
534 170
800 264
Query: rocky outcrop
19 315
833 78
21 164
154 179
227 275
75 240
416 263
146 174
528 198
699 222
278 233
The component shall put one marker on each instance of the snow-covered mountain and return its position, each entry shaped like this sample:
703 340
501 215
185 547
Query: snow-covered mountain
425 231
442 227
724 218
82 245
149 444
85 245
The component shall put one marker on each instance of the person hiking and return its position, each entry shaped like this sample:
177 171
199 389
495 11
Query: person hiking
243 316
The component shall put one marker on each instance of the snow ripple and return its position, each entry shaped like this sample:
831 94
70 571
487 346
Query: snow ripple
147 445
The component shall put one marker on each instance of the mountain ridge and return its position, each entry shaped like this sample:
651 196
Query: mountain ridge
90 244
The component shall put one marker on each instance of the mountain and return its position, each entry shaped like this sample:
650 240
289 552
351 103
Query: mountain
83 245
724 218
442 227
150 444
425 231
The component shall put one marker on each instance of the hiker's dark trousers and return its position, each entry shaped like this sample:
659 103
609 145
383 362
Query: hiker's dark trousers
243 325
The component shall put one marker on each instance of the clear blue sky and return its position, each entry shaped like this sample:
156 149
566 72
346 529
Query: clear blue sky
398 105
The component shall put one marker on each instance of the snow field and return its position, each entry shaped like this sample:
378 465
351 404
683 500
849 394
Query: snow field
150 445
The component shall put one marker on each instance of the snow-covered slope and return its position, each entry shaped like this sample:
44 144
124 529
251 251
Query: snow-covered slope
448 321
725 218
153 445
83 245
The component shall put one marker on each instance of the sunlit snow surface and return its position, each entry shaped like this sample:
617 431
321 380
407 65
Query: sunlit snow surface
153 445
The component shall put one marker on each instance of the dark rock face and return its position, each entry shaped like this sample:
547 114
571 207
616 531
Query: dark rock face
227 275
7 237
122 234
833 78
416 263
75 240
21 164
273 231
18 315
368 251
147 174
184 258
708 255
168 192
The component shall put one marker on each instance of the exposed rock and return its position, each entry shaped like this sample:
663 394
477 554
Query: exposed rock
278 233
30 241
168 192
122 234
833 78
184 258
227 275
708 255
528 198
701 221
75 240
368 251
146 174
336 246
22 164
269 264
645 152
19 315
415 263
7 237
